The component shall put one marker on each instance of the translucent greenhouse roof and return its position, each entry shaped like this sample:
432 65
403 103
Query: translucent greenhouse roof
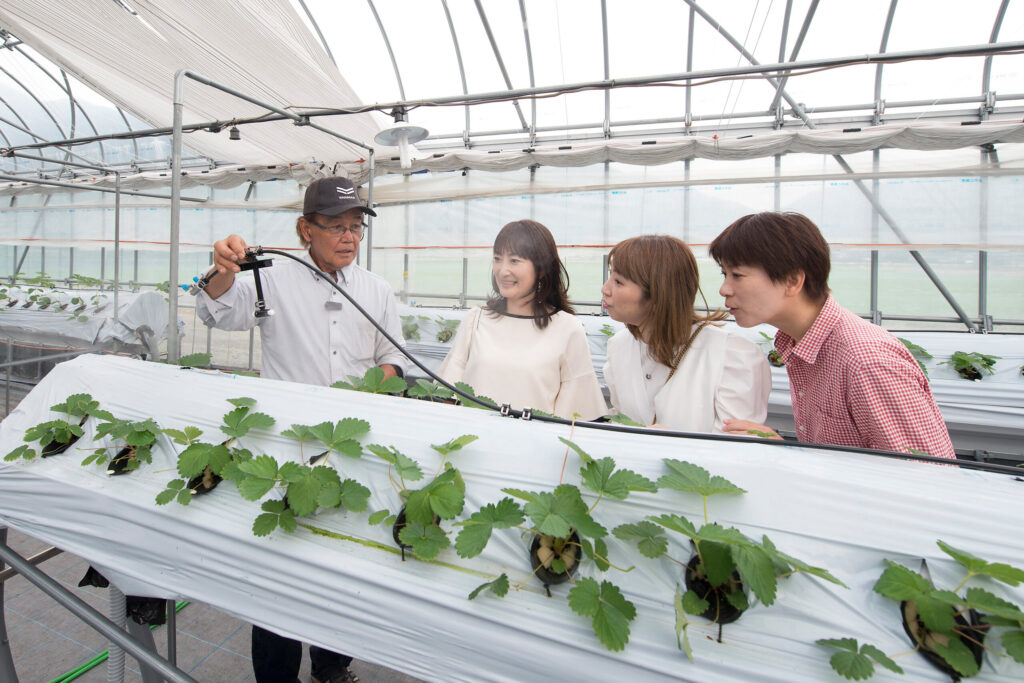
600 69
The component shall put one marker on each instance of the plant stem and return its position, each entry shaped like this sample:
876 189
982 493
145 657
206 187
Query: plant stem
705 499
599 497
666 555
572 430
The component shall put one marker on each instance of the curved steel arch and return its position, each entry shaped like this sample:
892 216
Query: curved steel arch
878 70
986 77
462 68
529 66
316 27
796 50
501 62
66 87
391 53
38 101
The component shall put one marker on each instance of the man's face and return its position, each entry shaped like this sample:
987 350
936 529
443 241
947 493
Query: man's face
751 296
334 240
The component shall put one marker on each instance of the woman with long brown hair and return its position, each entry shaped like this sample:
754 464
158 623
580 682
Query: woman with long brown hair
525 347
671 366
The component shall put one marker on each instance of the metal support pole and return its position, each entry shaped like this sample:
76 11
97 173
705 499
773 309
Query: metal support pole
172 633
252 346
91 617
876 315
173 343
983 253
7 672
7 384
117 245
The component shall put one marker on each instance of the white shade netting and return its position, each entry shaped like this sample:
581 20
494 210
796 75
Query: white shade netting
340 583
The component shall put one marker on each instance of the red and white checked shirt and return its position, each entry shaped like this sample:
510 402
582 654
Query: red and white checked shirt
854 384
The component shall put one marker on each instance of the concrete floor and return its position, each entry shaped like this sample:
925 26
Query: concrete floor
47 641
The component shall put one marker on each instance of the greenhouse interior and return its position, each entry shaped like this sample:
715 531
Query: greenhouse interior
137 136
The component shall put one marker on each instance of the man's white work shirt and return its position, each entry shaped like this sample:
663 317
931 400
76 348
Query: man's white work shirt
315 335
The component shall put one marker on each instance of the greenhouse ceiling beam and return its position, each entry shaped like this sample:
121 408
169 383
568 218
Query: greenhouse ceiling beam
38 101
501 62
986 77
29 132
66 87
387 44
320 35
864 121
878 69
868 194
796 50
481 98
607 71
689 66
529 65
462 68
785 29
110 190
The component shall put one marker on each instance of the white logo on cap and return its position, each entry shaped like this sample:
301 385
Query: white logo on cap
345 191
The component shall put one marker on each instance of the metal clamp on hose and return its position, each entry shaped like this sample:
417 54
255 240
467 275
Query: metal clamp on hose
254 264
527 414
506 410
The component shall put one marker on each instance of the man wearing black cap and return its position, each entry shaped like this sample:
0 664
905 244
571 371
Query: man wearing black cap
316 337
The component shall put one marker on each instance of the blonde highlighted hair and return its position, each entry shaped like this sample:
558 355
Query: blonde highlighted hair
666 270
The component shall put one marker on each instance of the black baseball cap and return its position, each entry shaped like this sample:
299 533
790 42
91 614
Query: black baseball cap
333 196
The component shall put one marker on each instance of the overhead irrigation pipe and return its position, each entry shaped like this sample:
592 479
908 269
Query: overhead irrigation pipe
173 346
526 414
91 617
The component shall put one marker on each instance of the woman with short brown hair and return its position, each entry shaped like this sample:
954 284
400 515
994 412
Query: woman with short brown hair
671 366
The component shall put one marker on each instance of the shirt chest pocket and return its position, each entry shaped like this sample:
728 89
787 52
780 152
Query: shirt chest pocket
360 341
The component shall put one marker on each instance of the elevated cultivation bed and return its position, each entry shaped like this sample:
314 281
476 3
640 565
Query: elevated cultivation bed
57 321
339 582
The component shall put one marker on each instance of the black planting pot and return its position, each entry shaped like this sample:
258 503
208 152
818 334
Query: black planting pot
720 610
399 524
119 463
203 482
572 551
973 627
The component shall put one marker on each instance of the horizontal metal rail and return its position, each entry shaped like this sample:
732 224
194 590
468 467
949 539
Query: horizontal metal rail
91 617
986 49
38 558
54 356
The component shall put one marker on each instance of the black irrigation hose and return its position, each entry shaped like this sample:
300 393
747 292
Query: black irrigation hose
507 411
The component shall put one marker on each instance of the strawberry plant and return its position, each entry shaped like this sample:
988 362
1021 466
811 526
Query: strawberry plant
447 329
55 436
972 366
373 382
947 627
135 447
768 342
411 326
725 563
564 532
204 465
431 391
919 354
417 524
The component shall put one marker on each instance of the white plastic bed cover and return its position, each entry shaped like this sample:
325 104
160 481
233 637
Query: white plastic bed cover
986 414
845 511
141 321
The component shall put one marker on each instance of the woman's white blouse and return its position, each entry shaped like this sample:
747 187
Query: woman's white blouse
512 361
722 377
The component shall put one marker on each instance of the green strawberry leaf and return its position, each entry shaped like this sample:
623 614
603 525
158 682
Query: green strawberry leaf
499 587
686 476
609 611
476 531
651 541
